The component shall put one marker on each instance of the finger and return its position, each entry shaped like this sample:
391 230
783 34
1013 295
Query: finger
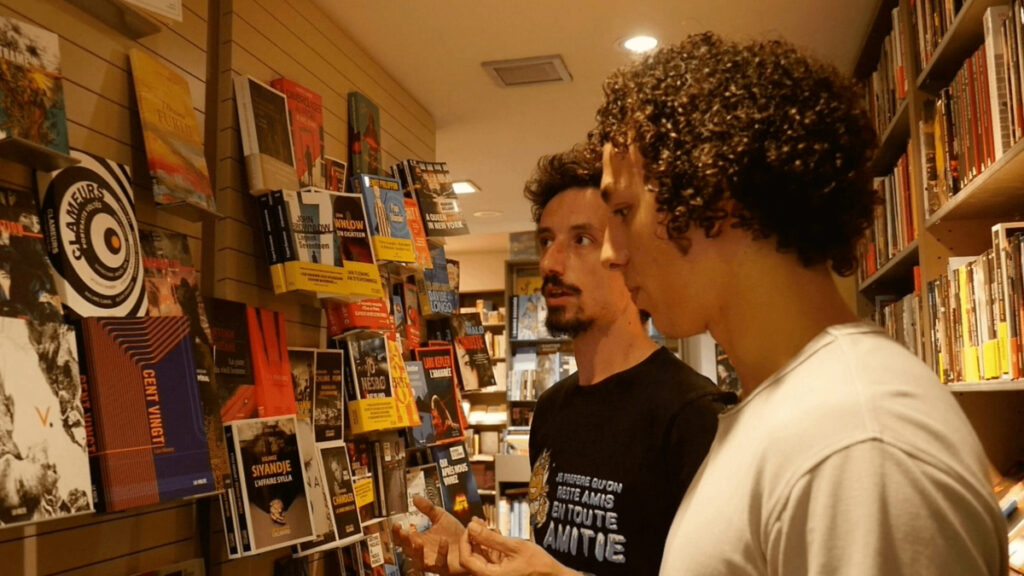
480 534
441 556
427 507
472 561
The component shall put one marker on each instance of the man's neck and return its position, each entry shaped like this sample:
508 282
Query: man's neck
604 350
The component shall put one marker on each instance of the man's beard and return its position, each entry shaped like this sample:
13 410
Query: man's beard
558 322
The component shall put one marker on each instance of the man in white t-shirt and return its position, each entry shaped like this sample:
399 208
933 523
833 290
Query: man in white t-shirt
737 175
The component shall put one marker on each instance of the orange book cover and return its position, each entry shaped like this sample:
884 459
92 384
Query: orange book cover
306 115
174 145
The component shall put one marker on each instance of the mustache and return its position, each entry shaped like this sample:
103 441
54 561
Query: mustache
554 281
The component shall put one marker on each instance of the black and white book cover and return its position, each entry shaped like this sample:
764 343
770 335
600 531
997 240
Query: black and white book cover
266 136
389 451
369 360
44 459
472 358
27 287
271 470
87 213
338 478
328 395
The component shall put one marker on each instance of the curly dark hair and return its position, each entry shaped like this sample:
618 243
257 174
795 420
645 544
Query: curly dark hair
784 136
574 168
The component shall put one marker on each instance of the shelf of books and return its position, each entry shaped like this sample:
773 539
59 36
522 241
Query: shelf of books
945 277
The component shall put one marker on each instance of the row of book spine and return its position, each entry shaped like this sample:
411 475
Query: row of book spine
894 226
931 20
886 88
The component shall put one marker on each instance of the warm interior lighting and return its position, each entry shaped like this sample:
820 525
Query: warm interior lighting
640 44
465 187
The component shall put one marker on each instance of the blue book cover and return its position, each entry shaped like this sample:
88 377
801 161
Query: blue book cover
458 485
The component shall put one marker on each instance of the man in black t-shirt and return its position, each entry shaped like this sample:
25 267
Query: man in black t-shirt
614 446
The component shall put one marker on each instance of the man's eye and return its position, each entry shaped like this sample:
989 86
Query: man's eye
544 242
584 240
620 213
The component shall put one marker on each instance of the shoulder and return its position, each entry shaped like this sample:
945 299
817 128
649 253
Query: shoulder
676 383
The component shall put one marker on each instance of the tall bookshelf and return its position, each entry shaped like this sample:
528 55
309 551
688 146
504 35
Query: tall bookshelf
961 227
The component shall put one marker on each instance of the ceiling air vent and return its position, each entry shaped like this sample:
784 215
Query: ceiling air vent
528 71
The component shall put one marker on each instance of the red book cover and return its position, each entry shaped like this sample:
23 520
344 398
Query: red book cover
306 112
442 398
271 370
369 314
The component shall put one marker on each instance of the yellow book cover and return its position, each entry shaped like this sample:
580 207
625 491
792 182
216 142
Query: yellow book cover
405 401
174 145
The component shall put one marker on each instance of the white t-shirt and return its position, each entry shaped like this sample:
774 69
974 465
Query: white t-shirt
852 459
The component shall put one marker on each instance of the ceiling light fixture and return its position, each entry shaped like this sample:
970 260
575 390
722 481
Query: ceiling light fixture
465 187
487 214
640 44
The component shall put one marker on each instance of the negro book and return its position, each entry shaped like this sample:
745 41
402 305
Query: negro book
338 477
441 400
87 214
31 89
172 283
27 288
364 150
44 458
270 367
369 361
306 116
385 218
173 140
232 359
458 486
431 184
150 439
328 392
472 358
266 136
271 478
303 362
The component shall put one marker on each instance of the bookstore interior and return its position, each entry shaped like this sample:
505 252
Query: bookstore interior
231 338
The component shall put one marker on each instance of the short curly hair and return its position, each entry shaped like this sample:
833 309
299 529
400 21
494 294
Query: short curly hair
574 168
784 136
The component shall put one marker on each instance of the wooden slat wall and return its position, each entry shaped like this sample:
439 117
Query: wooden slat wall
267 39
262 38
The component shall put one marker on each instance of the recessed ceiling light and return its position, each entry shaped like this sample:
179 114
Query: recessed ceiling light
465 187
487 214
640 44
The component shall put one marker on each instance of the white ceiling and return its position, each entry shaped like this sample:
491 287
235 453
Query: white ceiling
493 135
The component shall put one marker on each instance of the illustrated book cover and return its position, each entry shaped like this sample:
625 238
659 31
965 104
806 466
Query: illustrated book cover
232 359
473 359
437 298
171 134
31 88
363 135
301 242
423 434
458 486
150 440
266 136
431 184
87 213
274 502
335 174
338 477
442 397
306 116
28 289
386 219
44 457
328 395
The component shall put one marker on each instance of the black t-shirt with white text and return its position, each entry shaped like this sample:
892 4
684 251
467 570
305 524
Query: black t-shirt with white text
611 463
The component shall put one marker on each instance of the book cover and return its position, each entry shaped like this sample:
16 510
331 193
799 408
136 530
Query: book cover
369 359
363 135
44 457
378 550
431 184
173 140
266 136
473 359
411 306
419 234
270 368
232 360
172 285
386 219
423 481
360 265
92 237
328 401
302 361
345 317
422 435
150 440
27 287
442 398
389 456
272 480
338 474
31 89
458 486
302 245
335 174
405 402
310 218
306 116
435 293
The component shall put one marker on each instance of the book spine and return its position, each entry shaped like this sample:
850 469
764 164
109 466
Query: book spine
271 230
228 517
236 485
284 236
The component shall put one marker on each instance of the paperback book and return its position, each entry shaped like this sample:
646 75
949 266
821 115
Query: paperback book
422 435
335 174
44 457
266 136
92 237
328 401
458 486
386 218
232 360
270 367
473 359
173 140
436 296
150 440
441 400
431 184
301 241
335 463
31 89
306 116
28 289
363 136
